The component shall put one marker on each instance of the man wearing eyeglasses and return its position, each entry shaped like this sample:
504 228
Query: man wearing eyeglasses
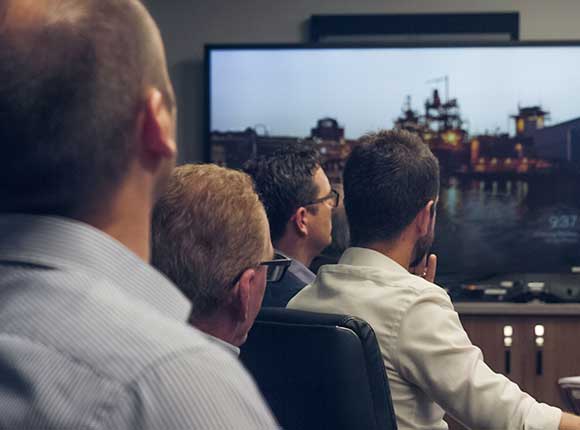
211 237
299 202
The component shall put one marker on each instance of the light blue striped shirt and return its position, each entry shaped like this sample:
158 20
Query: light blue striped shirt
91 337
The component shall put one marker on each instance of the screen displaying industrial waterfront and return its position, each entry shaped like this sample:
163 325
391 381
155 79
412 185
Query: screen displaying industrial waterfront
503 122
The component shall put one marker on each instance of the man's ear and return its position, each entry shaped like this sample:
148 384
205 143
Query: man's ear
240 300
300 221
156 127
424 218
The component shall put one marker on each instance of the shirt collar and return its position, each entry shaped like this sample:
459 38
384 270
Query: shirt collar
366 257
232 348
66 244
299 270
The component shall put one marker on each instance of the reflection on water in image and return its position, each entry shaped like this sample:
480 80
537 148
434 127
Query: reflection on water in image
508 225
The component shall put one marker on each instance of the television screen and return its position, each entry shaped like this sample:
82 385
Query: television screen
503 121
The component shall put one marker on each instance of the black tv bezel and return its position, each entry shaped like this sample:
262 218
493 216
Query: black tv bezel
208 48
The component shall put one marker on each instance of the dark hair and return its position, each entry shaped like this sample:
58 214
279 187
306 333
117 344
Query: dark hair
70 87
388 178
285 182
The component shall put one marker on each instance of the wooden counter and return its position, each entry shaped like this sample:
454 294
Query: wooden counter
533 344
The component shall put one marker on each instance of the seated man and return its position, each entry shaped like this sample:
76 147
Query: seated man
91 336
211 238
391 185
299 202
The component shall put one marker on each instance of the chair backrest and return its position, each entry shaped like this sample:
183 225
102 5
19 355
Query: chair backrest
319 371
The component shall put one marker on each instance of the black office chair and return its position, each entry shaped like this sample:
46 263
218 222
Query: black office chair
319 371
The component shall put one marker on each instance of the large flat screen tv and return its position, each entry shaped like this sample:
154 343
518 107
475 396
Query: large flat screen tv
503 120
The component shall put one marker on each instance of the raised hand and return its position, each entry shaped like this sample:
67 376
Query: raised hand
427 268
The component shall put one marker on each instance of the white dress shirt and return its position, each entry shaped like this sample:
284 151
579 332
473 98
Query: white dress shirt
431 364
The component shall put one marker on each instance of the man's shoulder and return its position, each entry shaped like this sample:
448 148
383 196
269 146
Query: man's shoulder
90 320
278 294
337 283
377 277
423 287
289 281
100 346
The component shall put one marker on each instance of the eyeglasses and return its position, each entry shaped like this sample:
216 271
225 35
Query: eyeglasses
334 195
276 267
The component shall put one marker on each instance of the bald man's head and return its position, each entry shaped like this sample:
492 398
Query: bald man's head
73 75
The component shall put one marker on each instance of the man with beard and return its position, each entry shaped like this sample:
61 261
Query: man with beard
391 185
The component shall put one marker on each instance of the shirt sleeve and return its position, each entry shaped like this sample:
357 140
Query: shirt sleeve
206 389
436 354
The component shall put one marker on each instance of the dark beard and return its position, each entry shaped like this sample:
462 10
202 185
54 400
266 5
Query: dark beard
422 247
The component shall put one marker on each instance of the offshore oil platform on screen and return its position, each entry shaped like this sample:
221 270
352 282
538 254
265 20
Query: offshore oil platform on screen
490 154
532 149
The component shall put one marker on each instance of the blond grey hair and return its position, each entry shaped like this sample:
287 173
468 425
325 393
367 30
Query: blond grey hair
207 229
